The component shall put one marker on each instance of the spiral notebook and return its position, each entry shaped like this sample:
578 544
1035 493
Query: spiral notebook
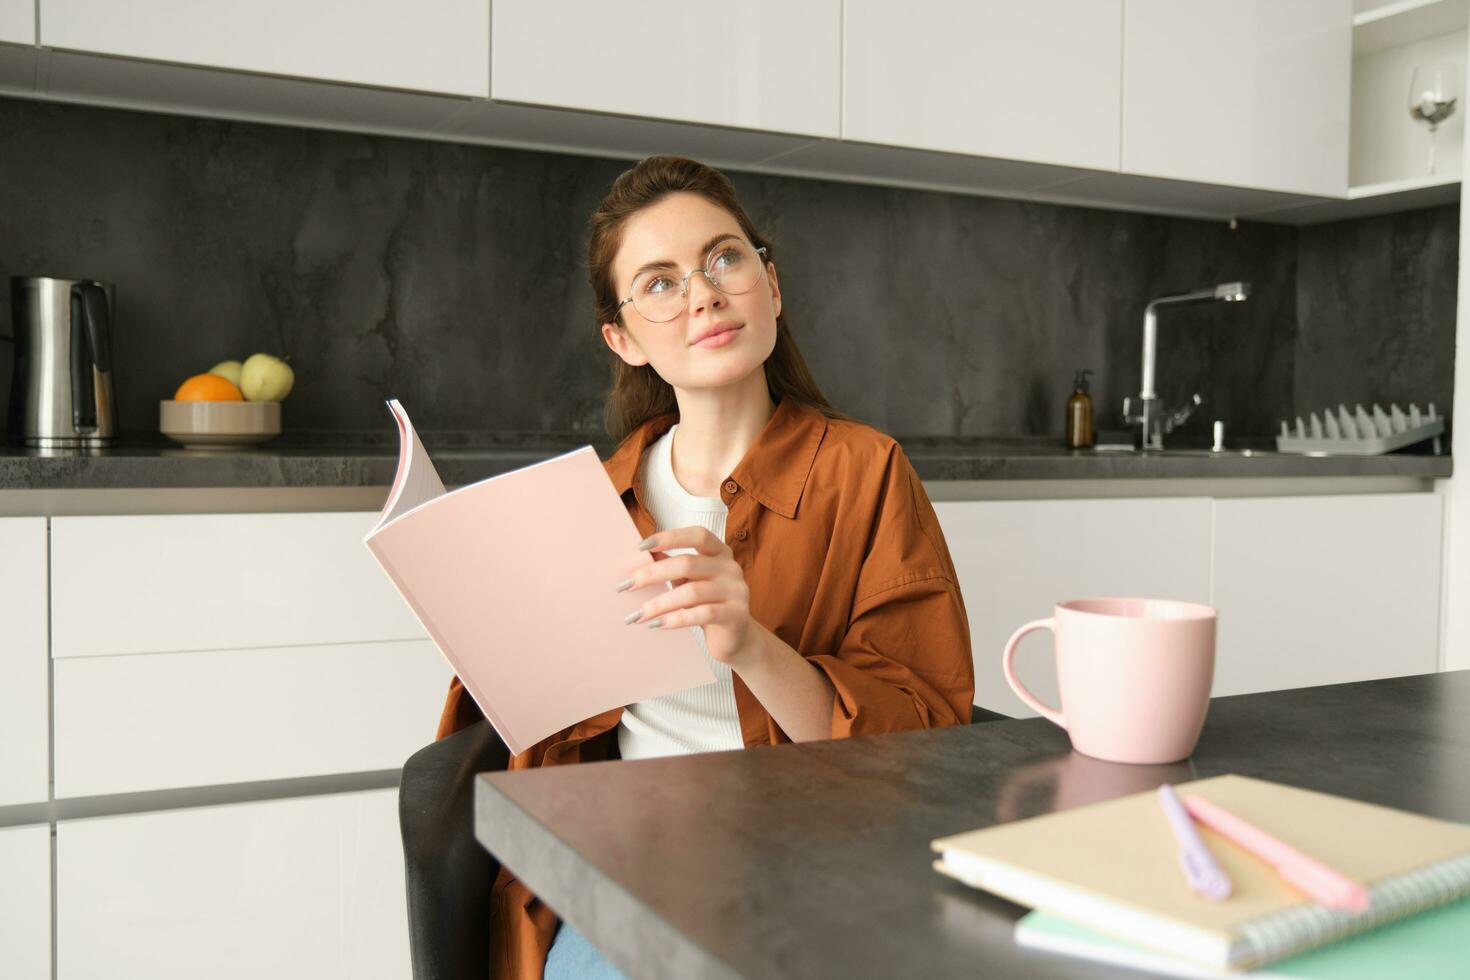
1113 867
512 577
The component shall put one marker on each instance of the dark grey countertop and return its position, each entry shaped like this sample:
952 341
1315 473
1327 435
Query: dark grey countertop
365 460
813 860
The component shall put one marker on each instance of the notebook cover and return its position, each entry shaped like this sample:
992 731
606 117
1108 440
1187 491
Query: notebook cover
512 577
1427 946
1119 859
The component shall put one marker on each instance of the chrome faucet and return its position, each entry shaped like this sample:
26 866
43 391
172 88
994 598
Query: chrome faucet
1152 417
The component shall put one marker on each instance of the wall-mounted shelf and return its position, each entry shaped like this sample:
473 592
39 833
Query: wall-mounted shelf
1445 186
1393 25
1370 199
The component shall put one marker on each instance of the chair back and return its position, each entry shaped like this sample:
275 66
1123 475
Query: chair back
447 873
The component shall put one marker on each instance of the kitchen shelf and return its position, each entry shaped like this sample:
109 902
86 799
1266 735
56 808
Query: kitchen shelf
1439 189
1370 199
1393 25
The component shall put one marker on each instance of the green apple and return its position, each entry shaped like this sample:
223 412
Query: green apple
227 369
266 378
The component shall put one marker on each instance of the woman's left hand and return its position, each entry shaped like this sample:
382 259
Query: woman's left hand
709 591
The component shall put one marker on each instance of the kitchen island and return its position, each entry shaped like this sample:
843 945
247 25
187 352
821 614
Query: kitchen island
813 860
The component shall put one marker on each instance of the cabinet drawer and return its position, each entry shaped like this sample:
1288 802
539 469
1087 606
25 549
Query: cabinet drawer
300 888
24 698
25 902
159 583
157 721
430 45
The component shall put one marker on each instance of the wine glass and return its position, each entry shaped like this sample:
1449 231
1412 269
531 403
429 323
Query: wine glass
1433 92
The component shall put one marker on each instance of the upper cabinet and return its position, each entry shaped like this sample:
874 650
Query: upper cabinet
762 64
1250 93
1202 108
429 46
1038 81
18 21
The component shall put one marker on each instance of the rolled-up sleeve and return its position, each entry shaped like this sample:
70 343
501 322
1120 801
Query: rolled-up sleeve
905 661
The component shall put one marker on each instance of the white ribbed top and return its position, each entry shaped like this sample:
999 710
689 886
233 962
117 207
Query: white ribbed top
698 719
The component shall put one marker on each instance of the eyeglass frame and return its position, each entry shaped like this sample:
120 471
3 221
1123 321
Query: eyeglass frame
684 282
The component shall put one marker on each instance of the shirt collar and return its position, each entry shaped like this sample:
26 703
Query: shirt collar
774 469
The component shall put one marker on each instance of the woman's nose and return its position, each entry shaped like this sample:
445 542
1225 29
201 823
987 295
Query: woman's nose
702 292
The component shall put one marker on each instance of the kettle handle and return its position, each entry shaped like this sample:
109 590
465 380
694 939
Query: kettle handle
98 320
90 329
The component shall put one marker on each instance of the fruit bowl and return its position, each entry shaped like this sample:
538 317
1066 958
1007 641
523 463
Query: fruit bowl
219 424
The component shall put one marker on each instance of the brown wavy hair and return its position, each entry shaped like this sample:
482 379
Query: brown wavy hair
638 393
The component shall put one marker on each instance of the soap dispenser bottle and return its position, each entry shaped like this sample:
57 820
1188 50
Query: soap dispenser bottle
1079 414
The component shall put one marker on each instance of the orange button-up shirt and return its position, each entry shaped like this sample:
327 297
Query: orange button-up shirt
845 562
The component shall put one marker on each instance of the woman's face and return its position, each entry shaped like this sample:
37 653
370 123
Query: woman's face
681 230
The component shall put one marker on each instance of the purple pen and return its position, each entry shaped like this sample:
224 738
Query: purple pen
1204 875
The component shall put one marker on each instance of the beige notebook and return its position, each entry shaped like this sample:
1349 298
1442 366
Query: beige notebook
1114 867
513 579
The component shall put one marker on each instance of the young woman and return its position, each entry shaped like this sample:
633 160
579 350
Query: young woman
801 545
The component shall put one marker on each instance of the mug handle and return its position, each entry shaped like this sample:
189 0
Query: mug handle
1007 664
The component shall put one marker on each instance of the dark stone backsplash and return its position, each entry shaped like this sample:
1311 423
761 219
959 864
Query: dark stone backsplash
452 277
1376 310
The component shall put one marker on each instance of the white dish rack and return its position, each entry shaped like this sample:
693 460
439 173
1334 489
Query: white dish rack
1360 432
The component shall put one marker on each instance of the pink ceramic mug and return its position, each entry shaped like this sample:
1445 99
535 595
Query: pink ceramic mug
1134 676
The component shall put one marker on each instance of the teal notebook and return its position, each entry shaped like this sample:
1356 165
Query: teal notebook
1433 945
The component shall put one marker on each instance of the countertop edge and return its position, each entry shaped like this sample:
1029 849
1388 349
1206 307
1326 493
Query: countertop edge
156 468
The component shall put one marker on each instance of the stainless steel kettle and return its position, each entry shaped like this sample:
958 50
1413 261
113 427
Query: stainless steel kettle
62 391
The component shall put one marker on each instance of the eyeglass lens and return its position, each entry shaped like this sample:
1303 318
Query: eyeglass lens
732 267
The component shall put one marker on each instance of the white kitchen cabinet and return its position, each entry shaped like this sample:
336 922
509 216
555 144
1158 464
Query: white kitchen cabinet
763 64
18 21
1310 589
1325 590
162 721
201 649
24 686
1017 558
1037 81
25 902
300 888
189 582
1251 93
440 46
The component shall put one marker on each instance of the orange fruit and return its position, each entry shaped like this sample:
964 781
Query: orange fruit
208 388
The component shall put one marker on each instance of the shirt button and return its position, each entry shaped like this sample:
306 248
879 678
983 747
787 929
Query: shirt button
741 534
731 486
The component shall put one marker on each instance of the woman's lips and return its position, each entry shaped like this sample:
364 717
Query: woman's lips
720 339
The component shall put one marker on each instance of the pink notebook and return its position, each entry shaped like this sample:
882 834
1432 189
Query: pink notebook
513 579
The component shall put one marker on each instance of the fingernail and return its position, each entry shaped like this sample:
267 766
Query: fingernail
632 617
654 624
646 543
624 585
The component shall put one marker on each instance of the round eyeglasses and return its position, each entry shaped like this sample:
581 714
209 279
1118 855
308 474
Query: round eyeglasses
732 267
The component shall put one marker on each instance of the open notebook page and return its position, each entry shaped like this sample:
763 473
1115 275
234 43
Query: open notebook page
416 480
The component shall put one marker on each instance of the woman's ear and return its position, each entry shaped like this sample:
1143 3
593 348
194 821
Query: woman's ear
623 344
775 287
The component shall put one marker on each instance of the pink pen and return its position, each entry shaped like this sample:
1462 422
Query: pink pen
1313 877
